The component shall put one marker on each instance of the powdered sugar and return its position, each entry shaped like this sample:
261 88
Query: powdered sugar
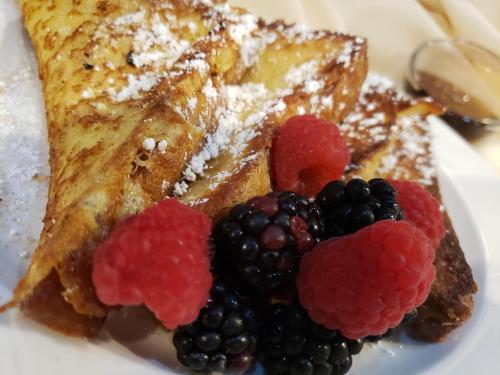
209 90
162 146
251 47
237 99
157 43
129 19
375 83
345 56
312 86
87 94
299 74
180 188
410 156
413 150
136 84
242 29
24 167
149 144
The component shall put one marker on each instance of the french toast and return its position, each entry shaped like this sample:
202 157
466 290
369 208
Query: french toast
134 93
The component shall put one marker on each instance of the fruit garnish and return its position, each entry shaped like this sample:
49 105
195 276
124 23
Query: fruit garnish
260 242
158 258
293 344
364 283
307 153
421 209
224 336
348 207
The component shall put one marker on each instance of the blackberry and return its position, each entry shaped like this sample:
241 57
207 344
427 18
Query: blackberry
260 242
291 343
224 337
352 206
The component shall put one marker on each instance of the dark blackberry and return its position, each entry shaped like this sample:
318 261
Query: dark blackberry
291 343
260 242
224 337
352 206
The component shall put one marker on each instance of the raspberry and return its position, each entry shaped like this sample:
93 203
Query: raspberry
159 258
421 209
364 283
260 242
352 206
308 153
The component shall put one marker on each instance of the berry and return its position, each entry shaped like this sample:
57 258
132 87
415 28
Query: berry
224 336
364 283
159 258
421 209
261 241
349 207
292 343
407 319
307 153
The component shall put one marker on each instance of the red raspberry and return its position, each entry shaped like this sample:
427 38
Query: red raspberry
159 258
307 154
421 209
364 283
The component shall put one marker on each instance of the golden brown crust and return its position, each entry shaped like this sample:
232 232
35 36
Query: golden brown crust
450 302
46 302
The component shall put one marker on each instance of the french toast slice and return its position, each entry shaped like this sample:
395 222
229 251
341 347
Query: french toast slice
100 109
400 148
133 92
300 72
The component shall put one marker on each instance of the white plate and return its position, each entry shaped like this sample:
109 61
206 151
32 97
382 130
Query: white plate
470 188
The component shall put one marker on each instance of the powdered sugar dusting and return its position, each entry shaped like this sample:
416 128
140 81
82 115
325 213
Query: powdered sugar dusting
251 47
136 84
157 44
158 37
413 150
247 23
238 98
24 168
410 158
299 74
375 83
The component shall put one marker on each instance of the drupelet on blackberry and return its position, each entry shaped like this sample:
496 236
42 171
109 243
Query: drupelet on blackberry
224 336
260 242
348 207
291 343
